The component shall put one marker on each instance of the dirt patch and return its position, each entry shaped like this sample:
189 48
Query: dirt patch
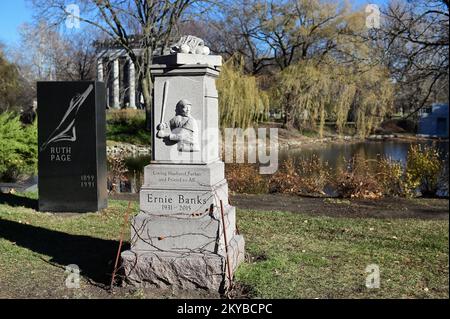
421 208
93 290
240 291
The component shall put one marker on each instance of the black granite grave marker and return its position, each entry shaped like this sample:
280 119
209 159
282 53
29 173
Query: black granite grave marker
72 146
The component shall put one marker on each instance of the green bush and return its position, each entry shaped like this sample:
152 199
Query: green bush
127 126
423 169
18 148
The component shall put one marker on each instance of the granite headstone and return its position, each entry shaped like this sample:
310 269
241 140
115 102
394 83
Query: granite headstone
72 146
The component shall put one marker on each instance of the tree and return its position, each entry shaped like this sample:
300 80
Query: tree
297 30
310 92
150 22
44 55
9 84
233 31
39 52
416 41
80 58
241 102
278 33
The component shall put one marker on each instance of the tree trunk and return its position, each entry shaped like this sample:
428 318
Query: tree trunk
147 86
322 121
288 121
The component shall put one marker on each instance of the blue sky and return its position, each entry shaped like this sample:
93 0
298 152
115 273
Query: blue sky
13 13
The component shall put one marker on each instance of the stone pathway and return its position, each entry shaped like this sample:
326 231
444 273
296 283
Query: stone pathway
29 185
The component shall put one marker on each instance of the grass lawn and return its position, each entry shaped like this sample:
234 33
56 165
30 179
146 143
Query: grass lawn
324 257
290 255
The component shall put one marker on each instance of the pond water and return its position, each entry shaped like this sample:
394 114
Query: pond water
336 155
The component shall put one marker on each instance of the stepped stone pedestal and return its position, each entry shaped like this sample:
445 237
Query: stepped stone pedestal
184 236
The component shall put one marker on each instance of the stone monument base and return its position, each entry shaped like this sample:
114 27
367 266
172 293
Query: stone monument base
185 234
183 270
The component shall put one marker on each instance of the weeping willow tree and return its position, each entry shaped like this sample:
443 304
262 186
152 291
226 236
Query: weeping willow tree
345 82
373 100
365 96
241 102
299 93
343 105
310 92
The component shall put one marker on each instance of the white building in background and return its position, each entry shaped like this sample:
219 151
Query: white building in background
117 70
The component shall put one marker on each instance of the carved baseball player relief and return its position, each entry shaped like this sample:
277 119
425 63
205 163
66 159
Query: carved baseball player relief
181 129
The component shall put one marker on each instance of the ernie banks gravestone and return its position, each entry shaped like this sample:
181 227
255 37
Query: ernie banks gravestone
72 146
185 234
